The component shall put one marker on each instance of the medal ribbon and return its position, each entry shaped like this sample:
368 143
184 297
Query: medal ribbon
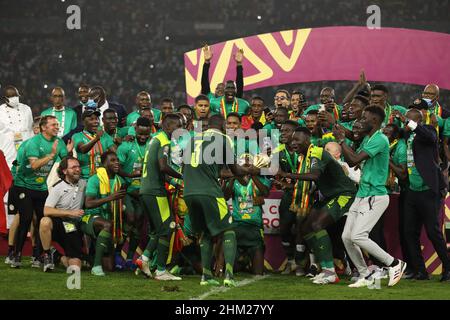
98 147
117 211
234 107
306 185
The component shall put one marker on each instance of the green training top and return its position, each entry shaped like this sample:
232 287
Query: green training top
38 147
131 158
85 158
70 118
244 212
375 170
93 190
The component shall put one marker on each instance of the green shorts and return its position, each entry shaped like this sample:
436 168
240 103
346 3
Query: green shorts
338 206
249 236
87 225
158 211
208 214
133 205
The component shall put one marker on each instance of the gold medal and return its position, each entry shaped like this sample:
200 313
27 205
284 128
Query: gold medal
242 205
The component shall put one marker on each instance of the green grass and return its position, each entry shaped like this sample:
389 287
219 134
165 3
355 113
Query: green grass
28 283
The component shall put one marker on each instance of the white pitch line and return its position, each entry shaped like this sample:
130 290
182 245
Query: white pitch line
224 289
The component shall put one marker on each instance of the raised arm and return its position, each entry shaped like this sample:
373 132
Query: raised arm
206 89
238 57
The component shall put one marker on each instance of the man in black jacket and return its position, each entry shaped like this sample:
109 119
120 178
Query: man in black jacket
219 91
426 191
98 94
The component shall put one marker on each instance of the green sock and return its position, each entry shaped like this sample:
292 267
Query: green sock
151 245
229 250
310 242
132 244
162 253
206 252
323 249
102 246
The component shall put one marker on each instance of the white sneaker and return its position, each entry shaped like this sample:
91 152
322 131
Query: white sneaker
9 260
396 272
326 278
165 276
143 266
362 282
317 277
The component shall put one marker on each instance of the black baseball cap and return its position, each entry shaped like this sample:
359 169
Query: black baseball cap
419 104
90 112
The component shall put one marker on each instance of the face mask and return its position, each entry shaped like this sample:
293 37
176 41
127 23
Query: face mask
13 102
91 104
428 101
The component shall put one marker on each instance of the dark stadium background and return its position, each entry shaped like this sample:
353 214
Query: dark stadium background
37 49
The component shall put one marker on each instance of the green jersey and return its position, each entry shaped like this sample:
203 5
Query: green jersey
446 132
153 180
347 125
120 133
375 170
67 119
93 190
19 158
333 181
38 147
131 158
201 174
244 211
133 116
398 151
416 182
220 106
91 160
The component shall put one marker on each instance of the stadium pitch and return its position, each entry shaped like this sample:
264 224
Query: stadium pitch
28 284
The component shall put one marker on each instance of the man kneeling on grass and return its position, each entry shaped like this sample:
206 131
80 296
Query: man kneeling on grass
103 219
62 213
